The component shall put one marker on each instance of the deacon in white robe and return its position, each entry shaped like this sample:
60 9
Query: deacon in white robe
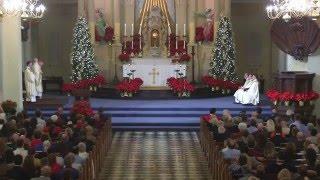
29 81
38 76
249 92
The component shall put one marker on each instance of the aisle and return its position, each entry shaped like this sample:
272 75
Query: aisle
155 155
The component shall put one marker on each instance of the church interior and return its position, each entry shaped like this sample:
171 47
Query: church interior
159 89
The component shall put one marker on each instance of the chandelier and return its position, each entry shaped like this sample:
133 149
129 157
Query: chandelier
288 9
27 9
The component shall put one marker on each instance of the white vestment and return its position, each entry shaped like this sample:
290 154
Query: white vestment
249 93
38 78
29 81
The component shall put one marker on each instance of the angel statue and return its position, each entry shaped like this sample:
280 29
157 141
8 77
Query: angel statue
100 23
208 14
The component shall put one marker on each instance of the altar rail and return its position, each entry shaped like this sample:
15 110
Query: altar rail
218 167
94 162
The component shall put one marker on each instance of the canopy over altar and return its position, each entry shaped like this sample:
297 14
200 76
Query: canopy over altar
153 71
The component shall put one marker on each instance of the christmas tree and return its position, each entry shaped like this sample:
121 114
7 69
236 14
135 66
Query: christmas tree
223 62
83 62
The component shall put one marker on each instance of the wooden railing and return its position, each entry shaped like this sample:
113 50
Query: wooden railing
93 165
218 167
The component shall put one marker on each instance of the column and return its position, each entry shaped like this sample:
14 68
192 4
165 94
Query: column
191 23
80 7
116 50
91 19
227 8
11 60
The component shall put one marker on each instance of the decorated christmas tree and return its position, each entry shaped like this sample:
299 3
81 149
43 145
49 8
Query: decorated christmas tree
83 62
223 62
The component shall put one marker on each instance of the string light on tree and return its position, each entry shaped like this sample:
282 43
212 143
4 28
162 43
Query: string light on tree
223 62
82 56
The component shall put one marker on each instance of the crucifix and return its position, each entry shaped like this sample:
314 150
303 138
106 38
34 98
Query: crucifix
154 74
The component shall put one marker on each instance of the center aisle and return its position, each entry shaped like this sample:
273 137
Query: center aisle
155 155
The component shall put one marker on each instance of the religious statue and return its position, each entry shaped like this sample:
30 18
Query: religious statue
208 14
37 70
249 92
30 83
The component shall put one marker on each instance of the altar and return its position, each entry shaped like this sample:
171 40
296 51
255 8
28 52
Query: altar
153 71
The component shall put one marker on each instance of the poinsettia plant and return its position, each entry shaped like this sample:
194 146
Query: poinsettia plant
129 85
109 34
275 96
82 107
199 34
220 84
184 58
124 57
83 84
181 86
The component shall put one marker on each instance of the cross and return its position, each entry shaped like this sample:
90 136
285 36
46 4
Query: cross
154 74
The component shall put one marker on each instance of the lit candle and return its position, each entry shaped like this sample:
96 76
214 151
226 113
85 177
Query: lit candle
125 29
132 29
184 30
140 30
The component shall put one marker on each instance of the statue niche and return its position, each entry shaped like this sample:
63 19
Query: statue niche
155 31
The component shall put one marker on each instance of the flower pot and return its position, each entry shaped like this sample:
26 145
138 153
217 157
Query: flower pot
199 43
311 102
301 103
287 103
224 91
130 94
228 91
275 103
217 88
213 89
124 94
179 94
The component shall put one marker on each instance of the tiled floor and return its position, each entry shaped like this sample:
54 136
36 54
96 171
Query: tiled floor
155 155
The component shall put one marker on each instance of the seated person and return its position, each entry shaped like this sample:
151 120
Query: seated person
249 92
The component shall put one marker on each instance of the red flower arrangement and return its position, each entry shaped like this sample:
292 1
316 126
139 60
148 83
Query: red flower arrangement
124 57
109 34
212 82
180 85
96 35
199 34
286 96
129 85
85 83
82 107
273 95
184 58
206 118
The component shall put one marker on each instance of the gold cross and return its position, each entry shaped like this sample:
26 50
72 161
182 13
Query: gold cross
154 74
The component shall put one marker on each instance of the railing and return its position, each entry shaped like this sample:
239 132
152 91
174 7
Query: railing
218 167
93 165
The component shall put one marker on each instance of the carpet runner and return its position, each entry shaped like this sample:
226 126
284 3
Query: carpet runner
155 155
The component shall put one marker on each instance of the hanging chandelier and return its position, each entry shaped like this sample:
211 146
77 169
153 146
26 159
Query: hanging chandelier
27 9
287 9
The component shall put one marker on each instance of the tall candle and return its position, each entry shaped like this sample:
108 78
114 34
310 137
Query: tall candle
140 43
169 29
176 29
140 30
132 29
184 29
125 29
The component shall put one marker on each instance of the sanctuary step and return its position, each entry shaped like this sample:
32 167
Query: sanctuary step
161 114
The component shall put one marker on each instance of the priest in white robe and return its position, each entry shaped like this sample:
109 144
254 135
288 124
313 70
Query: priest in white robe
249 92
38 76
29 81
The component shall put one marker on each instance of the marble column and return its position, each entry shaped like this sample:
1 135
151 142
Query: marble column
91 19
227 8
11 60
81 8
116 50
191 21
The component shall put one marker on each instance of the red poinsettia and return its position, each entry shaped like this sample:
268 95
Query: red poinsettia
206 118
124 57
180 85
273 95
286 96
98 38
129 85
85 83
184 58
199 34
82 107
313 96
109 34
